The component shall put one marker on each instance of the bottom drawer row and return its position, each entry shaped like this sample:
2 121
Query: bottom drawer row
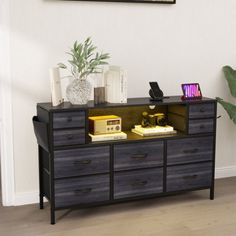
96 188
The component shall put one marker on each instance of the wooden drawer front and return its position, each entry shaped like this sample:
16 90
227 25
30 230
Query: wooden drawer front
201 126
68 137
81 161
186 177
189 150
82 190
138 155
69 119
138 183
206 110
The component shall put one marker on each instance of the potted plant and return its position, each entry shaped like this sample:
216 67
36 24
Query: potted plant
84 60
230 76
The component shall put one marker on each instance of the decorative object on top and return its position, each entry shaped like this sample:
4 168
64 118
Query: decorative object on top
116 85
191 91
155 92
99 89
230 76
55 82
84 61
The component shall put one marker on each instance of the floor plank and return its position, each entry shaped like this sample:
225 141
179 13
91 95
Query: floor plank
190 214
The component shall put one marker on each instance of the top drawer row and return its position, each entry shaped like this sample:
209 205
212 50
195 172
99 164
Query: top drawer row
205 110
69 120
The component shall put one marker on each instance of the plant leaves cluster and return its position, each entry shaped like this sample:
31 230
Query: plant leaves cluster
85 60
230 76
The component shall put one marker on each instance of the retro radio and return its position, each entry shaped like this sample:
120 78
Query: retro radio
104 124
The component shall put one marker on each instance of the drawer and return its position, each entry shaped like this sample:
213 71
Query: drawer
69 119
138 155
191 176
205 110
201 126
82 190
81 161
138 183
68 137
189 150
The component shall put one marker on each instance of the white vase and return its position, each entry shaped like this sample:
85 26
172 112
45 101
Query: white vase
79 91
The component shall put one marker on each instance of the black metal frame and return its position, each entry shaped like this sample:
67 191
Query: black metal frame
51 148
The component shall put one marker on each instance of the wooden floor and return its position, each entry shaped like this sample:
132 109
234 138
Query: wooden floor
183 215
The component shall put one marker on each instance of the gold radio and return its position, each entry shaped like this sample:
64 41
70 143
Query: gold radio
104 124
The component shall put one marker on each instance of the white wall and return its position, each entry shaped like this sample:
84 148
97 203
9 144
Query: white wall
172 44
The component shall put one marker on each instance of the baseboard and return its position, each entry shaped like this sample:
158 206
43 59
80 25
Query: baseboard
33 197
26 198
225 172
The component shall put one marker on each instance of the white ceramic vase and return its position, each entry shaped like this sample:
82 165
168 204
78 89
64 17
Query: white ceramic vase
79 91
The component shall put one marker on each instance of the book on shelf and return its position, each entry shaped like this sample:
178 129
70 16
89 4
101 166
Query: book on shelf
108 137
154 129
153 133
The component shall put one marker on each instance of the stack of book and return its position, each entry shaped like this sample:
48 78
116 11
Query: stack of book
152 131
108 137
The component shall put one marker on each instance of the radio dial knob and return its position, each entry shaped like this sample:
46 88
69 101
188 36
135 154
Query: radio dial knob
117 127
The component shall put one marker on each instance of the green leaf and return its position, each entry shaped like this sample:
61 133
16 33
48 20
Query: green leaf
230 75
230 109
61 65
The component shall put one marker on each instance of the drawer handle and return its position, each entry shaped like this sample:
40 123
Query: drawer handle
190 177
69 119
139 183
191 151
70 136
82 191
202 109
139 156
202 127
83 162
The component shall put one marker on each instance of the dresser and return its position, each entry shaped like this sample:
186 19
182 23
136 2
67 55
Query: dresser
75 172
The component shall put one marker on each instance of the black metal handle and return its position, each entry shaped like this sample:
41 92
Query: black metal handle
139 156
190 176
69 119
191 151
83 191
70 136
139 183
82 162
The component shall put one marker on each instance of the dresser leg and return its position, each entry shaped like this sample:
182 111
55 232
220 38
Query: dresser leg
212 193
52 216
40 201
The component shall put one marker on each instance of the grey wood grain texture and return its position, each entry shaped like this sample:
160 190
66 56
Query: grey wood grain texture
204 110
80 190
68 137
201 126
81 161
138 155
69 119
184 177
138 182
189 150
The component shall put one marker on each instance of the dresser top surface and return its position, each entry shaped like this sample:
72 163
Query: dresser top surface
141 101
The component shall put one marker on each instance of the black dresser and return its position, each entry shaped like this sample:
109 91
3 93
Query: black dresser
74 172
